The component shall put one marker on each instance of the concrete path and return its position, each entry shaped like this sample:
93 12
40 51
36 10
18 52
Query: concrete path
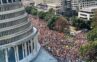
44 56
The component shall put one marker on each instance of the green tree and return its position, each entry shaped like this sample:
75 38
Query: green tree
41 14
92 35
89 52
94 21
80 24
52 11
34 11
28 9
51 21
49 14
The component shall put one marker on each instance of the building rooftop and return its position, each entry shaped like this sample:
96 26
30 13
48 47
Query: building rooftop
53 4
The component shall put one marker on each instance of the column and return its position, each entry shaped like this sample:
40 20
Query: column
1 2
16 53
6 55
28 47
12 1
7 1
31 45
23 50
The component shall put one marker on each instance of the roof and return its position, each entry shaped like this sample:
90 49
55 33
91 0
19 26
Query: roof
53 4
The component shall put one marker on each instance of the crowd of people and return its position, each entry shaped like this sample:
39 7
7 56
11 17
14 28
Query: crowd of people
64 49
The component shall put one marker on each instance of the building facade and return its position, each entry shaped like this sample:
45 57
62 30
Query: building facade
74 4
18 38
27 2
77 5
67 9
87 3
87 13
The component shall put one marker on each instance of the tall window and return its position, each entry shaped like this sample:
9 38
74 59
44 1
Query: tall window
11 55
14 0
2 56
28 47
24 50
10 1
20 52
4 1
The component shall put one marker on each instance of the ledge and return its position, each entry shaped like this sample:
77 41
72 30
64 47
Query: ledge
21 40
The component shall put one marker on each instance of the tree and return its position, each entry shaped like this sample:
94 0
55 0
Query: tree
94 21
52 11
34 11
49 14
80 24
61 24
51 21
41 14
89 51
92 35
28 9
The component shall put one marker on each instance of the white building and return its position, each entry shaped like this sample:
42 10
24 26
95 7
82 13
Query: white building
87 3
87 13
80 4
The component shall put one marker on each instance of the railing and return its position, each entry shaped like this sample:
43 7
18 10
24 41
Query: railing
11 23
10 6
9 32
11 15
16 38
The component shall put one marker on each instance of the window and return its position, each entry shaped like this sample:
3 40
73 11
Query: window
20 52
24 50
10 1
4 1
30 46
2 56
33 45
27 48
14 0
11 55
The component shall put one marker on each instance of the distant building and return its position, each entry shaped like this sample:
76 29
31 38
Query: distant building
46 1
87 13
28 2
75 5
87 3
67 9
45 5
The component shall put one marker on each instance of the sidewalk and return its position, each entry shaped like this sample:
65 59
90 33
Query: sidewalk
44 56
